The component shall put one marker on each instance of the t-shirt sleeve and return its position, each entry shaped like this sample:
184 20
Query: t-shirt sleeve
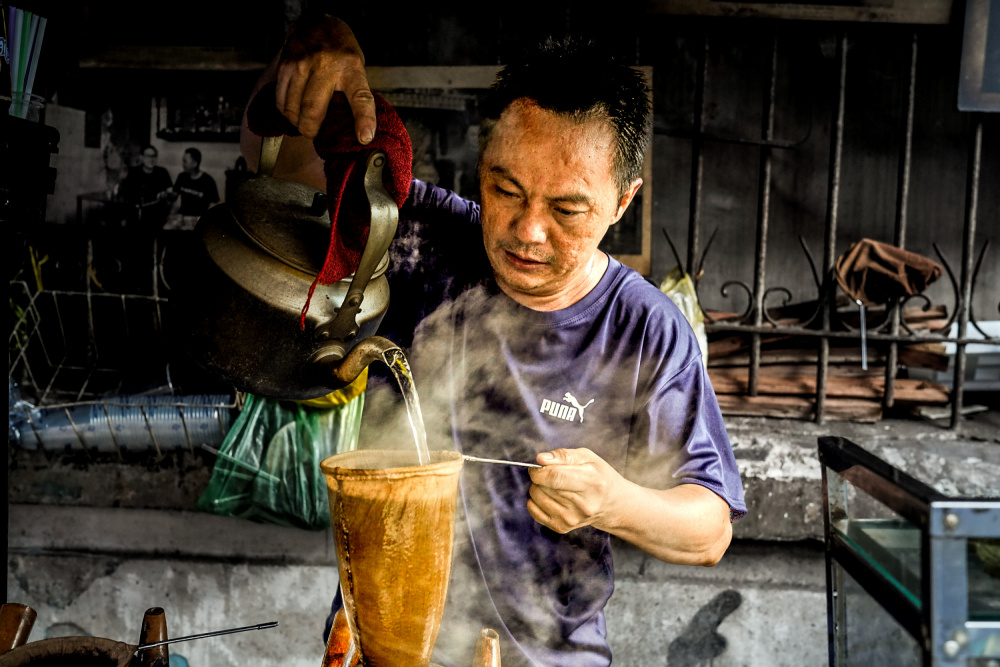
212 191
437 206
680 438
437 252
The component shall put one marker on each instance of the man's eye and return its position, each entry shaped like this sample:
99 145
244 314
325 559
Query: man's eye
567 212
505 193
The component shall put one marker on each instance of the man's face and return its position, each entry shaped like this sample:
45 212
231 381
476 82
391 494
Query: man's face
149 159
548 197
188 162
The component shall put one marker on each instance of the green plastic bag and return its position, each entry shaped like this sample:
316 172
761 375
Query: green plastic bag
268 466
680 288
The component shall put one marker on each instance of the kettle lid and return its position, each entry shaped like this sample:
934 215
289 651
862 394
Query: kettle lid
288 220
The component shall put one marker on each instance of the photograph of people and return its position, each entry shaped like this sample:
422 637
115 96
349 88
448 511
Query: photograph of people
195 190
146 190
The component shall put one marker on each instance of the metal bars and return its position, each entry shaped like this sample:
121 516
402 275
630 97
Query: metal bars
899 237
826 323
697 159
965 302
827 288
763 210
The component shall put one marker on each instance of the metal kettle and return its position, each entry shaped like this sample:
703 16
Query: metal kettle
248 275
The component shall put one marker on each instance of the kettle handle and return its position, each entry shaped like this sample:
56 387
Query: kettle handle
269 147
385 218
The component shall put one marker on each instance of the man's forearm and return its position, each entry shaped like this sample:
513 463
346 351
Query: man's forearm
687 525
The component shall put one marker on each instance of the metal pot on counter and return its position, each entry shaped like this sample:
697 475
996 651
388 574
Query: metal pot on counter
248 276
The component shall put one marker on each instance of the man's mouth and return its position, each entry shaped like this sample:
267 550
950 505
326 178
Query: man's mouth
522 261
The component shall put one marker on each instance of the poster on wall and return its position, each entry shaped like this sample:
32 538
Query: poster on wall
439 106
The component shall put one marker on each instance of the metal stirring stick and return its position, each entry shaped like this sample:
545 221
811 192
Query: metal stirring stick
506 463
261 626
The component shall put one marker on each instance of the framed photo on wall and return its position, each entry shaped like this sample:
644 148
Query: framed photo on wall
979 83
439 106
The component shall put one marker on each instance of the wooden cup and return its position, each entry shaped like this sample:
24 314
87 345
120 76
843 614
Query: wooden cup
393 524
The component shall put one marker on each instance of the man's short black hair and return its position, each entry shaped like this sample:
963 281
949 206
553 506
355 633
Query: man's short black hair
578 79
195 155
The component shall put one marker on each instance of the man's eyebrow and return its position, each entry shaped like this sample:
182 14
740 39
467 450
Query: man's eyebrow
577 198
505 174
573 198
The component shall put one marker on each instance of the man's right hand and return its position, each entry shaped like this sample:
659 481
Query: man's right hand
321 57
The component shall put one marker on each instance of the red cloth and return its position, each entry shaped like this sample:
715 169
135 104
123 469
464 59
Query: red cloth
344 164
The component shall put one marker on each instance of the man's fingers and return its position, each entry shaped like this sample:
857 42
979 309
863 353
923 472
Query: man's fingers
290 103
354 83
554 523
563 456
281 87
363 105
303 92
563 478
537 514
315 102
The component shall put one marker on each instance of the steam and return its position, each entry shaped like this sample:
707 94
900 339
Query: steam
529 598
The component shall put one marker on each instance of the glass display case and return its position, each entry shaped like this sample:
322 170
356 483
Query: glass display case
913 576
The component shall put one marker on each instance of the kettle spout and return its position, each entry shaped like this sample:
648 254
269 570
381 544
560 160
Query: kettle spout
373 348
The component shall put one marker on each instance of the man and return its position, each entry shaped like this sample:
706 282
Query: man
533 345
195 188
146 189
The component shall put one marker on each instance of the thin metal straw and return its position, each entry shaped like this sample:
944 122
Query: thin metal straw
506 463
261 626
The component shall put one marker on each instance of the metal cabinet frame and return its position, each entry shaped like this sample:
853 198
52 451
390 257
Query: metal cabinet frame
941 628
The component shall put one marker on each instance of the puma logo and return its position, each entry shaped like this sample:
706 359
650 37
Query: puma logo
569 398
563 411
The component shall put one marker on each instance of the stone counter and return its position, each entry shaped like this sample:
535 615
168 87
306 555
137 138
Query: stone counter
777 459
779 464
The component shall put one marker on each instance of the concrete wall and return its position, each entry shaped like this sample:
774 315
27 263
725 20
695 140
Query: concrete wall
94 572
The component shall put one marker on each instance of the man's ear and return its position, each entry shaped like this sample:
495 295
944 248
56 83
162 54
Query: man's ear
627 199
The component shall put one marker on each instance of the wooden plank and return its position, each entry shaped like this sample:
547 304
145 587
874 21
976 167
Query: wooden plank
797 356
868 11
920 355
924 355
796 407
918 314
734 381
725 347
807 370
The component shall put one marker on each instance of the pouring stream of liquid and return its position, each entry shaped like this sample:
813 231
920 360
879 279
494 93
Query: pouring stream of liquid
396 361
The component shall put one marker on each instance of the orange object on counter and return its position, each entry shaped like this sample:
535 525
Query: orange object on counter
338 645
16 621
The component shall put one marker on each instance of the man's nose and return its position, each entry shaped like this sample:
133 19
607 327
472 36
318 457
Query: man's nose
530 225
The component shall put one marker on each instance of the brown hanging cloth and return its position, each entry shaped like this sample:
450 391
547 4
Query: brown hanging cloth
873 273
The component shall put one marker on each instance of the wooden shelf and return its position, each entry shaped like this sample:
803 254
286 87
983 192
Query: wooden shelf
209 137
178 58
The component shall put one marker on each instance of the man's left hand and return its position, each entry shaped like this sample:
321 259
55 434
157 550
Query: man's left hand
573 488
